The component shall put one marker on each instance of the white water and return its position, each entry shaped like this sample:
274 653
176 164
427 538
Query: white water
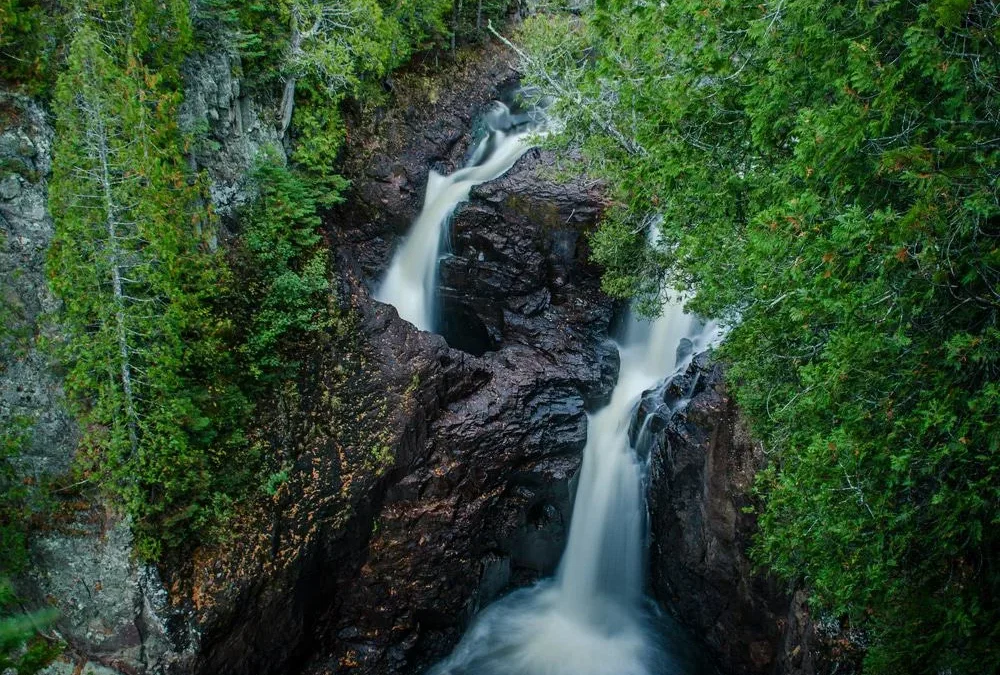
592 618
411 282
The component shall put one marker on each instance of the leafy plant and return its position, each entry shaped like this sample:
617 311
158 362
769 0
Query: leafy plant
29 39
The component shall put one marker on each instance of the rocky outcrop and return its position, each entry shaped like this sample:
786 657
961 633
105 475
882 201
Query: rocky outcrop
28 387
114 612
232 130
422 479
702 468
516 247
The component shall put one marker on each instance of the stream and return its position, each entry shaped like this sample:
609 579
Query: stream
593 617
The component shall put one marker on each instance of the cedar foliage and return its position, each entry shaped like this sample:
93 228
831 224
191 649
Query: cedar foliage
29 39
148 366
827 179
286 299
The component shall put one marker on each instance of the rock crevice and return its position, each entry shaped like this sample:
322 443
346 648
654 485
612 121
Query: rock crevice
702 470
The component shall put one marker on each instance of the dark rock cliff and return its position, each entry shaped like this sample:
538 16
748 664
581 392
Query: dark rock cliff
702 470
479 495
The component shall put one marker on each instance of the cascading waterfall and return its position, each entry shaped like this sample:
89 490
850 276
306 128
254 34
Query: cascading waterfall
592 618
410 284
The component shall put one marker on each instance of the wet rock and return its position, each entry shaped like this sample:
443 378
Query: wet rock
429 483
702 470
480 495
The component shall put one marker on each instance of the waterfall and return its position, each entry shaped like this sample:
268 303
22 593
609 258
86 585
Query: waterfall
592 619
411 282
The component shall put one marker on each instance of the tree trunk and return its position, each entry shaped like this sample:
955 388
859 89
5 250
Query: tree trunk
287 105
288 96
115 262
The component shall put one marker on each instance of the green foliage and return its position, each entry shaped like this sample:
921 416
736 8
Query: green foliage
826 179
284 300
275 481
20 646
147 362
29 37
169 342
469 18
315 54
423 25
320 132
15 499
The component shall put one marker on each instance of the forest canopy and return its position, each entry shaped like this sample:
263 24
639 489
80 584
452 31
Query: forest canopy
825 178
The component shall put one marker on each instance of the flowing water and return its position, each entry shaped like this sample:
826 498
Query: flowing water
410 285
593 619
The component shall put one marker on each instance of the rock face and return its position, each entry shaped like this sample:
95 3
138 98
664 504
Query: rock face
28 387
233 129
113 611
424 479
702 470
516 246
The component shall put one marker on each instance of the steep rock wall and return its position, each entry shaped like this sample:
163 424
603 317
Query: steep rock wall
701 506
480 497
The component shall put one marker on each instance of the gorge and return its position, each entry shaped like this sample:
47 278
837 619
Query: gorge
366 338
460 518
590 618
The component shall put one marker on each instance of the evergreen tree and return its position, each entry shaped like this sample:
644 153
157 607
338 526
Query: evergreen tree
131 264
